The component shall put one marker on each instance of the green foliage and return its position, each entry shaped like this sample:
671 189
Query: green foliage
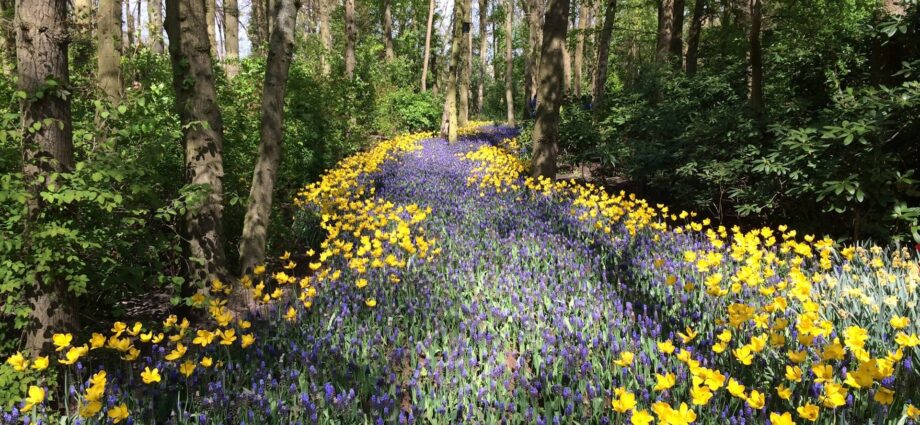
407 110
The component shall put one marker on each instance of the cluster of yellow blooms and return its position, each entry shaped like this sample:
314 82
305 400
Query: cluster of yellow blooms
758 287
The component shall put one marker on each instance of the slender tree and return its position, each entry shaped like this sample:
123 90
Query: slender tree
584 16
483 51
351 38
466 55
427 54
755 59
693 38
128 42
566 69
325 34
603 52
532 66
196 103
665 27
677 30
47 147
155 25
8 35
387 30
108 57
258 25
549 97
211 16
258 211
509 60
449 118
232 37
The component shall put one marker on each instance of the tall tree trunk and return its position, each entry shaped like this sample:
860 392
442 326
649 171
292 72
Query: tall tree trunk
483 52
211 16
584 15
41 53
232 37
427 54
257 24
665 26
546 128
466 55
449 118
755 60
693 38
139 36
325 34
258 211
351 37
677 34
8 36
603 53
509 60
108 57
155 25
387 31
566 69
196 103
129 27
531 80
81 36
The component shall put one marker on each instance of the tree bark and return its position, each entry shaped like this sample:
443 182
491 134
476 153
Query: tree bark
196 103
108 57
129 27
483 52
427 54
449 118
584 15
8 36
351 38
603 53
387 31
509 60
155 25
257 26
232 37
566 69
755 60
665 26
325 34
258 211
693 38
549 97
531 80
466 54
41 53
677 34
211 16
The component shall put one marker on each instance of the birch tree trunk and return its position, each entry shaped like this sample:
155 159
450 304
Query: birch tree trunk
427 54
351 37
549 97
41 53
196 103
258 211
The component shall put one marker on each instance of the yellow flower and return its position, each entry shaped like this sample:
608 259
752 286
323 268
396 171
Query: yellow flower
61 341
823 373
247 340
783 392
809 412
206 362
744 355
664 382
257 270
186 368
40 363
884 396
797 357
906 340
641 417
700 395
835 395
97 341
36 396
624 400
119 413
90 409
735 388
666 347
794 373
899 322
18 362
913 412
360 283
687 335
150 376
784 419
291 314
204 337
756 400
177 353
370 302
73 354
227 337
626 359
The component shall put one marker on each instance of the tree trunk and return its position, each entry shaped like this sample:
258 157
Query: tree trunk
211 16
387 31
41 53
232 37
466 55
108 57
566 69
449 118
531 81
155 25
665 26
677 34
603 53
325 34
427 54
509 60
129 27
257 24
196 103
546 128
584 13
483 52
351 37
755 60
81 35
258 211
139 36
693 39
7 14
